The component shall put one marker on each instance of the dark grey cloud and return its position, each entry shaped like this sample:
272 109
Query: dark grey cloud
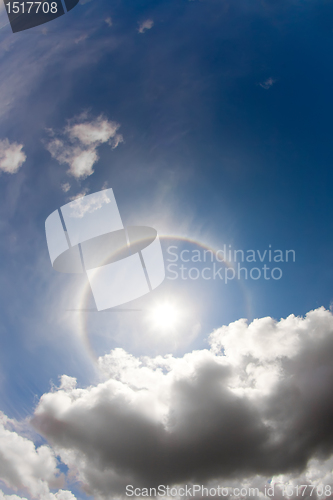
236 411
267 83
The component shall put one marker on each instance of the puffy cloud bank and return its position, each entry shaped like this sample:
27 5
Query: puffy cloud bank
255 407
267 84
25 467
77 144
258 404
11 156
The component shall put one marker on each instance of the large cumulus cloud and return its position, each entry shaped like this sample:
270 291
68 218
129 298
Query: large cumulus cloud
257 403
26 467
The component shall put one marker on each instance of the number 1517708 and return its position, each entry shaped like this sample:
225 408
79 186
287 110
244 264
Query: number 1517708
28 7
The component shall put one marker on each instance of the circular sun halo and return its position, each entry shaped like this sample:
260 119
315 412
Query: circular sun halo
164 316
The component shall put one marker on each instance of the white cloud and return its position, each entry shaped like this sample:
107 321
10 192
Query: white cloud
98 131
65 187
255 406
22 465
81 38
11 156
3 15
108 21
80 206
81 194
267 83
145 25
81 164
77 144
59 495
10 497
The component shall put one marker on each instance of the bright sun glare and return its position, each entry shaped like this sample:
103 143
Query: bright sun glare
165 316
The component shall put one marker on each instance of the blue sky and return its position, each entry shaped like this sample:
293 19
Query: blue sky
225 113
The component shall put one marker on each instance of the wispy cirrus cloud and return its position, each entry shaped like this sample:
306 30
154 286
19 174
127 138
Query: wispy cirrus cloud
11 156
76 145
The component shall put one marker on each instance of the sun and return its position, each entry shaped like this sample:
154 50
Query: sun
164 316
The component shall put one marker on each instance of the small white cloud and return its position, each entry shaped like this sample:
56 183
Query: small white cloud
78 143
100 130
145 25
108 21
267 83
11 156
65 187
59 495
